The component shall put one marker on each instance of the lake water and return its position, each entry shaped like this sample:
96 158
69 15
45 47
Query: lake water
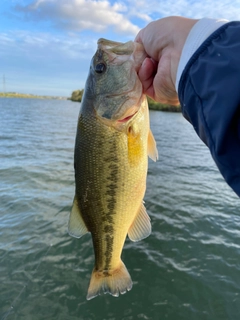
188 269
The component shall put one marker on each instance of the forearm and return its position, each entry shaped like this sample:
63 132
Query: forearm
198 34
209 93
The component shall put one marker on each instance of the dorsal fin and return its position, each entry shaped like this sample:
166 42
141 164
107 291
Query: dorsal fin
76 225
141 226
152 147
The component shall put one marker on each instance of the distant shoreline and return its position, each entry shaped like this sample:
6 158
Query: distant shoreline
77 97
29 96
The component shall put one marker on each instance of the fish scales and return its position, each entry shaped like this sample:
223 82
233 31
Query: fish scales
112 143
101 180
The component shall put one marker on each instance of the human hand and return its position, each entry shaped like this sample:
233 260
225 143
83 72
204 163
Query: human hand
163 41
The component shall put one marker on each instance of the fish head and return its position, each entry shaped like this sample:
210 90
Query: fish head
113 81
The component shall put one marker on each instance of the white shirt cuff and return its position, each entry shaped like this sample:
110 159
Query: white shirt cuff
199 32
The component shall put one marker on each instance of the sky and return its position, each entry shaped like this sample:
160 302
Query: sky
46 45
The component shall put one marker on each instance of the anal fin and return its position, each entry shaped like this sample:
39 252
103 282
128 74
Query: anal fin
76 225
141 226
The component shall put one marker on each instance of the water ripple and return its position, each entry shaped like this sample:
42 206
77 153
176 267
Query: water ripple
187 269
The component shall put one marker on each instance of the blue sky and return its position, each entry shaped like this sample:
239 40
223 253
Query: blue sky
46 45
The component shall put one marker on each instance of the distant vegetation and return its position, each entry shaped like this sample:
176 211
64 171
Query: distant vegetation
153 105
77 95
26 95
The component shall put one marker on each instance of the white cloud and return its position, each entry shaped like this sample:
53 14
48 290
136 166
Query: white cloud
59 61
78 15
39 45
118 16
189 8
35 63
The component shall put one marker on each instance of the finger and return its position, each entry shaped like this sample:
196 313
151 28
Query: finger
139 37
147 72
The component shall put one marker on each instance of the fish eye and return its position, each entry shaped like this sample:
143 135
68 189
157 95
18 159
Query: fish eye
100 67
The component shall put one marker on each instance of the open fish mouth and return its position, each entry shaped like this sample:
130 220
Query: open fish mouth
127 118
117 48
126 111
121 90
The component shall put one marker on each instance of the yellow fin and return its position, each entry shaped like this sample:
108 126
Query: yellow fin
152 147
76 225
135 145
141 226
112 282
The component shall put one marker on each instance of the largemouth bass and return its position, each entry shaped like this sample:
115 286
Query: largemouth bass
113 142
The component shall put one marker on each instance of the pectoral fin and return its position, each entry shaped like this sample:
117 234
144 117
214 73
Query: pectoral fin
152 147
141 226
76 225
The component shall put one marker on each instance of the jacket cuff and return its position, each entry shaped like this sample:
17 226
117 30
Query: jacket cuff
198 34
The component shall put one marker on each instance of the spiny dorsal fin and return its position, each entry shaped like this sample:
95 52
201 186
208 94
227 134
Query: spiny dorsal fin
152 147
76 225
141 226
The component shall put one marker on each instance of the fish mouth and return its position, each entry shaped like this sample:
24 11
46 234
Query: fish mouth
125 119
119 101
119 123
117 48
121 107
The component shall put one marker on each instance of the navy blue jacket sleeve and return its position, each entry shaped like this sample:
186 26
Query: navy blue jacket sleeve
209 93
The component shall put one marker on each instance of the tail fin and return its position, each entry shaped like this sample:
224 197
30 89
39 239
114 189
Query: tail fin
112 282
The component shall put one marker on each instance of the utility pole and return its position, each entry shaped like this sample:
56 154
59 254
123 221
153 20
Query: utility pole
4 84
